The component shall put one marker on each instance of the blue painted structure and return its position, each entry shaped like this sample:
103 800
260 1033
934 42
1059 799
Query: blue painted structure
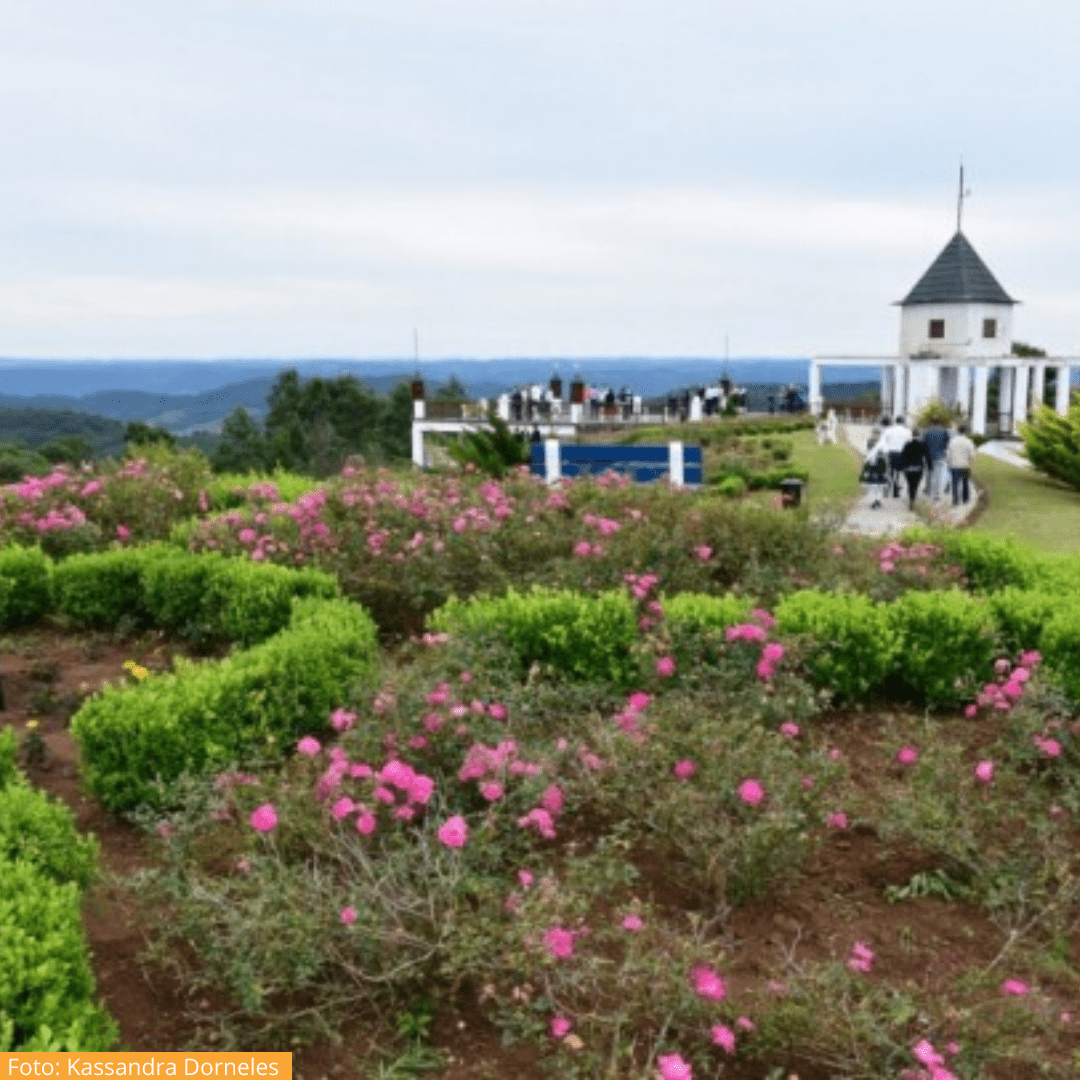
641 463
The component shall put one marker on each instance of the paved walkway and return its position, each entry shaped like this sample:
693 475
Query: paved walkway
893 516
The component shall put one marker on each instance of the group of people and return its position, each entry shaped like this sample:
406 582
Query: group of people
941 455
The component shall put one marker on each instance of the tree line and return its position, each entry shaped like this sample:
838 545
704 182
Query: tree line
310 429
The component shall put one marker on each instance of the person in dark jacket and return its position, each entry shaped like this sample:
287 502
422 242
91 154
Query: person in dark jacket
914 457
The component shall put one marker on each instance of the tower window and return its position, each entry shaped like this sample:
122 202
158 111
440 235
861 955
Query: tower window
937 328
989 328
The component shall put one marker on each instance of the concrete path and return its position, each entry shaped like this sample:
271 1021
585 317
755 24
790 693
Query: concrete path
893 516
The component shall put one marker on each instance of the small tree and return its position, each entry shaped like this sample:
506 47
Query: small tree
495 451
242 447
1052 443
139 434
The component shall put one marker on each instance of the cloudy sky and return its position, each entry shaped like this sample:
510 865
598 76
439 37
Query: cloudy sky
289 178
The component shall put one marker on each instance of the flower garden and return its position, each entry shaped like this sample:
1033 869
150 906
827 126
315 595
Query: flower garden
466 778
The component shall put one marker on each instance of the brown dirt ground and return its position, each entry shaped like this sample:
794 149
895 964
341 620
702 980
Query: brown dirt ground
924 943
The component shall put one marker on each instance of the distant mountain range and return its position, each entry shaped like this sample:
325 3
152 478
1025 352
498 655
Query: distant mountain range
197 395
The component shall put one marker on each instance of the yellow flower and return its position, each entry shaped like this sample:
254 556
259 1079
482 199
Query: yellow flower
31 725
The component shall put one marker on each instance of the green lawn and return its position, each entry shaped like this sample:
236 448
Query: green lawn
1028 505
834 474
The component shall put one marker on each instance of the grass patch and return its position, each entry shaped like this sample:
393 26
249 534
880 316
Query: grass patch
1027 505
834 473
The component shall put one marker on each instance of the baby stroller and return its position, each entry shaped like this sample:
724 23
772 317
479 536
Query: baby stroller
875 475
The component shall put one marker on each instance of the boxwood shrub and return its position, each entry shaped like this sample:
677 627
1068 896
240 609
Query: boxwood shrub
703 612
854 642
253 705
29 597
586 637
945 644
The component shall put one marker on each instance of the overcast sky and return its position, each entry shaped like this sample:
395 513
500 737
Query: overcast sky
291 178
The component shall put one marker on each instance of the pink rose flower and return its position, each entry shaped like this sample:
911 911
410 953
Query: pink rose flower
264 819
454 833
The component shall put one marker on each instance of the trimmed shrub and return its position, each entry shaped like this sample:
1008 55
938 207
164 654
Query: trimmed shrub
254 705
98 590
989 564
34 828
854 640
29 570
46 985
1060 646
9 748
733 487
703 612
586 637
945 644
235 599
1021 615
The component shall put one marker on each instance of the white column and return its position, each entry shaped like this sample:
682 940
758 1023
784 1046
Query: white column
1021 393
695 409
978 401
503 408
1061 393
886 390
896 403
575 412
963 387
815 388
637 404
418 445
552 460
418 410
1038 384
483 404
1005 399
675 464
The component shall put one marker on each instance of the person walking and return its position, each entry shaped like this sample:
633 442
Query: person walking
960 454
894 438
913 458
936 438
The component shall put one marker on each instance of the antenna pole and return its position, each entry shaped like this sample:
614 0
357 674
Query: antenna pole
960 198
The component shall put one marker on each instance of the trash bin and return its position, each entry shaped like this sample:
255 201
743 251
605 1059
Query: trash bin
791 493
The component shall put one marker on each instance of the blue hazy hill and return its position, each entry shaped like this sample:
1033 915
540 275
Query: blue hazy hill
186 395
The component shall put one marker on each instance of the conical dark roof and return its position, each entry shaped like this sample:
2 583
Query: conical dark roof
957 275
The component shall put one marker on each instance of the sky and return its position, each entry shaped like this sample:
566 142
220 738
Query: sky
296 178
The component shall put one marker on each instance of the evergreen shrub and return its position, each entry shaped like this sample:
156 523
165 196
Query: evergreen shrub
1020 615
98 589
46 985
1060 646
586 637
254 705
29 570
854 642
35 828
703 612
945 644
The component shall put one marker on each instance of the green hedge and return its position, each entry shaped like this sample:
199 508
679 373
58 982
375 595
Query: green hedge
39 830
254 705
945 646
236 599
854 640
586 637
204 594
46 983
702 612
29 597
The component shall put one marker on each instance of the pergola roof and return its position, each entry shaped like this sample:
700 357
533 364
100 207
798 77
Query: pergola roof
957 275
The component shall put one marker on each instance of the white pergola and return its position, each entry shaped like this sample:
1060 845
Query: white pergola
957 383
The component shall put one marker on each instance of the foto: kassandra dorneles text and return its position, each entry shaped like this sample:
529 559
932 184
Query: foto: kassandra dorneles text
76 1066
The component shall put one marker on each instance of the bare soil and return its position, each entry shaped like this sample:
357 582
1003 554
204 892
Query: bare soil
923 944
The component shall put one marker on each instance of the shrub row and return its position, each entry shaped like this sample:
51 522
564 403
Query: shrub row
204 595
936 645
588 637
46 983
136 741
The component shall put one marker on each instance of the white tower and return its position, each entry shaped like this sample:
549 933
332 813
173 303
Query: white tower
956 311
